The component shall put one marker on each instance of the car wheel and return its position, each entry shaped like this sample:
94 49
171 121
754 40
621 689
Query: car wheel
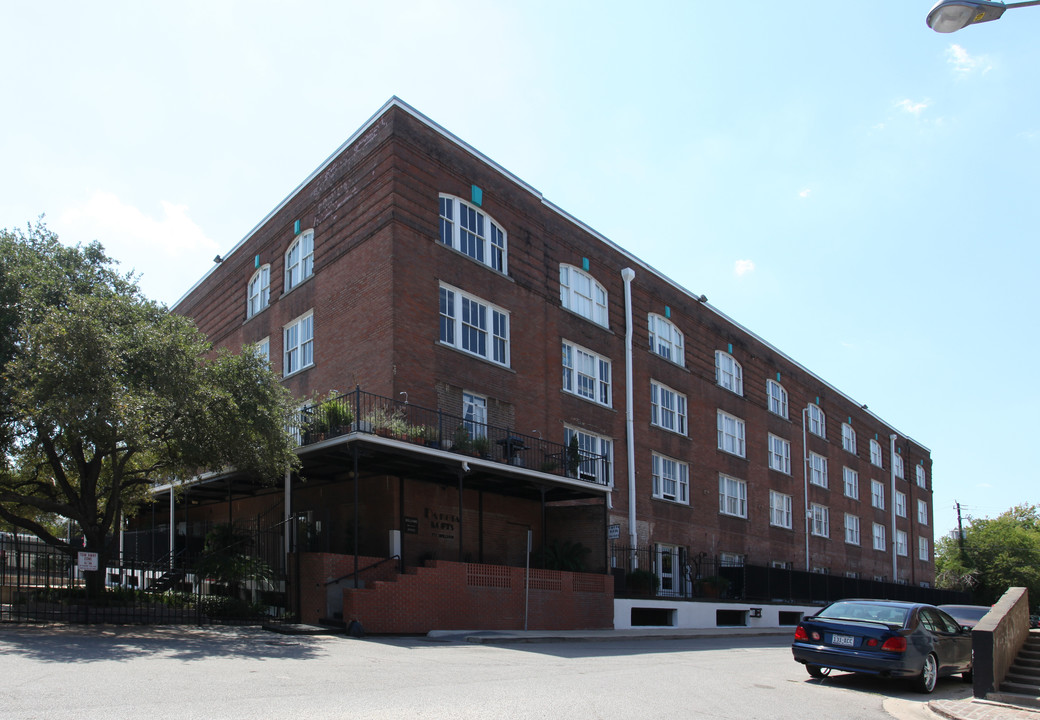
929 674
818 672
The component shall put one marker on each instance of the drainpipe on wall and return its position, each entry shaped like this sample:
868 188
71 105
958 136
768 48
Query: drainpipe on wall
892 470
628 275
805 486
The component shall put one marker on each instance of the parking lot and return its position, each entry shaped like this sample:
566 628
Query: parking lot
175 672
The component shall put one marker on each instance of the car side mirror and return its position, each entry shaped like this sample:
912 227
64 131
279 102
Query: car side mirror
966 629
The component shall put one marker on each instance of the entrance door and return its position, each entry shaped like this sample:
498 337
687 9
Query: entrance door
668 570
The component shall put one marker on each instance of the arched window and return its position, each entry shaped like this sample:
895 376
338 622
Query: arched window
472 232
777 398
728 372
258 293
817 421
299 260
665 339
581 294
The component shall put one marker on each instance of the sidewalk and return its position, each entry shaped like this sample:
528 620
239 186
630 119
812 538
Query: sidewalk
975 709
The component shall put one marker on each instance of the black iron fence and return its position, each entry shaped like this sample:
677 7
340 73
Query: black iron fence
671 572
362 412
42 584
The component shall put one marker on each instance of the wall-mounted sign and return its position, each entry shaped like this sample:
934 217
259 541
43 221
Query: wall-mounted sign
87 561
411 525
613 532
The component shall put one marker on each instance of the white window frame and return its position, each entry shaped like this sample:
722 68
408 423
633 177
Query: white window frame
593 444
897 463
922 481
732 496
817 420
299 260
876 458
781 510
667 408
818 470
474 414
258 291
666 340
779 454
900 504
923 551
820 520
848 438
586 374
877 494
902 550
729 373
777 398
731 559
263 349
880 542
852 536
731 434
492 325
922 512
671 479
850 479
583 295
469 230
298 344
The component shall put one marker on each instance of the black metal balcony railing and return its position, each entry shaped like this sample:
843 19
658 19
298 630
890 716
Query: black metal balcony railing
362 412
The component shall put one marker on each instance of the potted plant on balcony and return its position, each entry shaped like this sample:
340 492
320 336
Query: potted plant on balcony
335 414
461 441
573 457
423 435
481 446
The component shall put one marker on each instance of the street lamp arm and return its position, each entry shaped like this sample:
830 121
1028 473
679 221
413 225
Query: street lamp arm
948 16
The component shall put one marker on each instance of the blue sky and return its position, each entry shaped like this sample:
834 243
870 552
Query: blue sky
851 186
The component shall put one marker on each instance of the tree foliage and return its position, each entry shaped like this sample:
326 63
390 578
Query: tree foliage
105 392
998 553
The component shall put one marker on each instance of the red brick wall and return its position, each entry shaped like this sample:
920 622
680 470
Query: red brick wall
378 265
462 596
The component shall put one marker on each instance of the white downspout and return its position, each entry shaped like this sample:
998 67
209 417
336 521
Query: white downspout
628 275
892 457
805 486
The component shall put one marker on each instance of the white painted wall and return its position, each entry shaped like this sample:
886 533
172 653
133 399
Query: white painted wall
703 614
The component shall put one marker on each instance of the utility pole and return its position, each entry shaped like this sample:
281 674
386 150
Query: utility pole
960 531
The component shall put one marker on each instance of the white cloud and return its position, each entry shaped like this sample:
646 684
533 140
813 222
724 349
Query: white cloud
743 267
170 252
963 62
805 193
912 107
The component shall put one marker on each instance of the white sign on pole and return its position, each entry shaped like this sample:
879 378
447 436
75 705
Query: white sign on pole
87 561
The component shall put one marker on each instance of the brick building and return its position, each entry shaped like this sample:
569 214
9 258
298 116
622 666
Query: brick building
497 367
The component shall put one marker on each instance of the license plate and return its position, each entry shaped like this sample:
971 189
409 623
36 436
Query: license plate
844 640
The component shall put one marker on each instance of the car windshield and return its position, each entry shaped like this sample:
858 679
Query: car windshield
866 611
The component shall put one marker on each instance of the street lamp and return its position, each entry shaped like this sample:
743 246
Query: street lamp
948 16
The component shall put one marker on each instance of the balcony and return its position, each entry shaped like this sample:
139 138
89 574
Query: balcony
393 425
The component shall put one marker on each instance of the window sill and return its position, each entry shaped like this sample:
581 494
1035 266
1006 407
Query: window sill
294 373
